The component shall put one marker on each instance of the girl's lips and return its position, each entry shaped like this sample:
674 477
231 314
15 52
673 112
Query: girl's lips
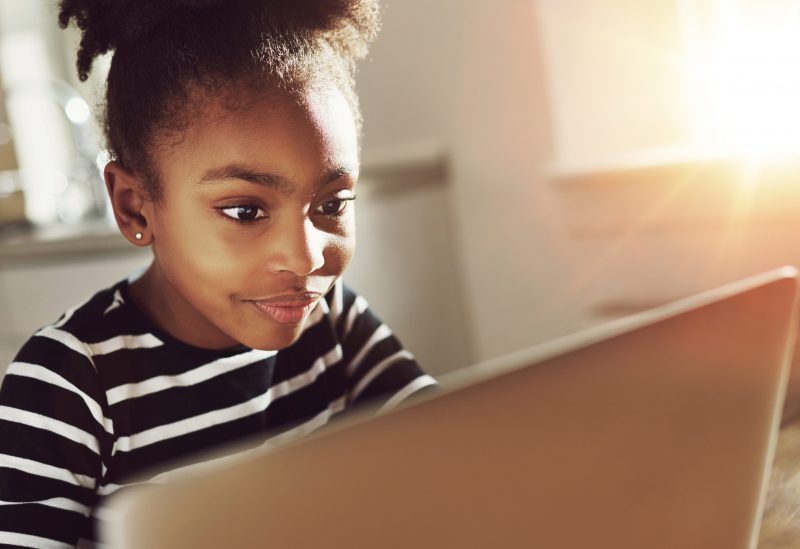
285 310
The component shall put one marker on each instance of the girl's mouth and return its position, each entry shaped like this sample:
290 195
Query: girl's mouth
285 310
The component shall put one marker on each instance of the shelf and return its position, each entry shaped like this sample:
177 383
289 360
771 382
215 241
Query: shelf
662 164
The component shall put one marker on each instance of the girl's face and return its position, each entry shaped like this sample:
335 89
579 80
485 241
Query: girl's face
256 220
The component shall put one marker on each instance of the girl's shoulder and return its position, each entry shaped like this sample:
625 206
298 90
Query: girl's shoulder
93 309
94 320
55 365
67 345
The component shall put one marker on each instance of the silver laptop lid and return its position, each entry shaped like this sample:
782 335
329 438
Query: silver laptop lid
656 431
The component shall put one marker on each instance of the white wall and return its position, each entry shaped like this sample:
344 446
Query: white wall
472 77
417 282
615 73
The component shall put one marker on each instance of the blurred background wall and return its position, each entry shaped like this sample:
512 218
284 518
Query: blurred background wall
531 167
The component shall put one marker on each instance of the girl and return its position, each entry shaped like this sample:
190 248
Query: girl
233 127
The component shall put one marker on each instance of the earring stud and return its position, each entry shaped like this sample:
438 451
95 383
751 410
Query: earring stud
138 236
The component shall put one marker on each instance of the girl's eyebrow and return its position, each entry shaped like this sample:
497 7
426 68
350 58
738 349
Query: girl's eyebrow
281 184
236 171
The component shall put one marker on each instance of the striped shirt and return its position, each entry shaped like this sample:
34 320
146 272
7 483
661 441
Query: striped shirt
103 399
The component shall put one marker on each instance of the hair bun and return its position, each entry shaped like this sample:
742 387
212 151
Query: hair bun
348 25
106 24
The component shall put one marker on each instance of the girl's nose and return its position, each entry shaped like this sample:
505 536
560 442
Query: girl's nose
297 248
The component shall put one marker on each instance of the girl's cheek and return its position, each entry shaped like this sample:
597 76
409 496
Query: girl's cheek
340 253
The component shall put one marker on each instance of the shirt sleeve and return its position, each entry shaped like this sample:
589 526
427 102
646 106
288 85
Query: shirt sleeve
377 367
51 431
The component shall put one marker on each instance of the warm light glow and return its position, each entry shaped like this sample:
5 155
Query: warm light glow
744 77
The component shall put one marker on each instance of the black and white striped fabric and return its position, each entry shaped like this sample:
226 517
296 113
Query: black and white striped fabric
103 399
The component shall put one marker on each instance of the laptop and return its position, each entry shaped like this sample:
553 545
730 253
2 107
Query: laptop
654 431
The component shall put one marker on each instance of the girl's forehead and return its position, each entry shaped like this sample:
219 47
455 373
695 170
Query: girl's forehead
323 110
271 128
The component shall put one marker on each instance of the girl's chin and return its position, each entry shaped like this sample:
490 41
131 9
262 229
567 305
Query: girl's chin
275 341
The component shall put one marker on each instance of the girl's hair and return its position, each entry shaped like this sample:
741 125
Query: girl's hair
170 54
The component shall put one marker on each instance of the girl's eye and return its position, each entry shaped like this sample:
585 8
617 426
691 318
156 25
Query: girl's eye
246 212
335 206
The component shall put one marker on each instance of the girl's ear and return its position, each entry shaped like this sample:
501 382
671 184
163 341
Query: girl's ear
133 209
